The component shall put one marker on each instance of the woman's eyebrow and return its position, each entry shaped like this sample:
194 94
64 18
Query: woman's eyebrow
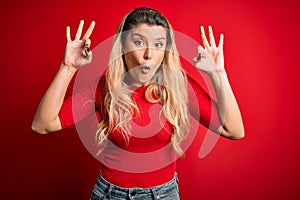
139 35
136 34
161 38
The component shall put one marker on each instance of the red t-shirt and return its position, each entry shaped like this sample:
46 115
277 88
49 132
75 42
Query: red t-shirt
148 159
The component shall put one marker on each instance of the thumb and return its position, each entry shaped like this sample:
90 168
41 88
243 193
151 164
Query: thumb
86 48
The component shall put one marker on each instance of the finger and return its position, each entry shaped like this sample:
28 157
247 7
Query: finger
68 35
89 31
89 57
199 56
203 37
79 30
87 43
202 54
87 53
211 37
86 48
221 42
202 51
196 60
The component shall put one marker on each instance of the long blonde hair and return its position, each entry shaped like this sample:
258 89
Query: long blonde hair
169 84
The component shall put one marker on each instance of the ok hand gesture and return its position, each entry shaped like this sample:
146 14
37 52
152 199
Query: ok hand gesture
78 51
211 57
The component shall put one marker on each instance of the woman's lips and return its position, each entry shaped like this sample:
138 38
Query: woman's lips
145 69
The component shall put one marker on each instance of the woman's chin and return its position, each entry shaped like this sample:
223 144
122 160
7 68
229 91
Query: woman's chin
141 80
142 83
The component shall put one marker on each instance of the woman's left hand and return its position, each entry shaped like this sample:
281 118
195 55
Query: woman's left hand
211 57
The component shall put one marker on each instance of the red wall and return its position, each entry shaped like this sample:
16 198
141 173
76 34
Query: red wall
261 52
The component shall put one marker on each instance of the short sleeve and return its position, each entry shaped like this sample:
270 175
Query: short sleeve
202 107
81 104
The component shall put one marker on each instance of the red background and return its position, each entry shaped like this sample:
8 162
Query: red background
261 52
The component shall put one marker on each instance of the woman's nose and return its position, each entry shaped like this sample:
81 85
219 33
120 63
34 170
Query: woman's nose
148 53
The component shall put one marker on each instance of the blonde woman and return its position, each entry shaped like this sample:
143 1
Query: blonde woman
144 70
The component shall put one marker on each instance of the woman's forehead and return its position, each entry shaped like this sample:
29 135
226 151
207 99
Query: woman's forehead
149 31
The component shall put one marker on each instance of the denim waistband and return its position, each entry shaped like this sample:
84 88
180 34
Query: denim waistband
157 191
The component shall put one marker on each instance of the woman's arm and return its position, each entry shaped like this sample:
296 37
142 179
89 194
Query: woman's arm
211 61
77 54
228 108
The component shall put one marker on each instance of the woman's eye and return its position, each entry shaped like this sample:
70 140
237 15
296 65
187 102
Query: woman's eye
159 45
139 43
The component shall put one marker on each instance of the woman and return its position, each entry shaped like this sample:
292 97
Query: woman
144 70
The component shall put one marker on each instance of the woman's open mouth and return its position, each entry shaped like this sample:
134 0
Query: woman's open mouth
145 69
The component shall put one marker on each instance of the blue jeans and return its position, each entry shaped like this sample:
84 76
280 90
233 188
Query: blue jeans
103 190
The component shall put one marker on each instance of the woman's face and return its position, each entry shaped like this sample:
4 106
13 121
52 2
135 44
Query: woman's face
144 52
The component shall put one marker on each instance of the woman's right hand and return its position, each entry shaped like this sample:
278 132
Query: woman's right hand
78 51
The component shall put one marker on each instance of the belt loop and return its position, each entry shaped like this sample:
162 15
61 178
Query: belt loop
155 194
108 192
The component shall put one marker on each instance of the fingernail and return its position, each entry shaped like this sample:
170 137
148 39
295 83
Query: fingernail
199 56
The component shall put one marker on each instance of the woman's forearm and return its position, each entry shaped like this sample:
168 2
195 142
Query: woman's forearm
228 108
46 118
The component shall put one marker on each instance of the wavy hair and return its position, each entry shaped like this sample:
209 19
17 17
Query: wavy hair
169 84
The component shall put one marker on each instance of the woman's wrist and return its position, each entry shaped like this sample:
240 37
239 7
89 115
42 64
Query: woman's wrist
68 68
217 73
217 77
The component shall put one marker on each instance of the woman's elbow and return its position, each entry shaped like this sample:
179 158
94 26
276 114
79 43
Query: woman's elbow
234 134
45 127
238 136
38 129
